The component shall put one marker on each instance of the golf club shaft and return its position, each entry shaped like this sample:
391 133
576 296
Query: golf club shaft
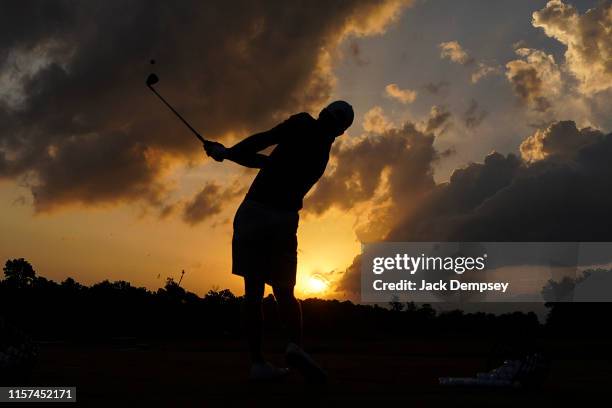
204 141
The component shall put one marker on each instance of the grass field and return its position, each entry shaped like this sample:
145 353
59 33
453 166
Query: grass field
127 372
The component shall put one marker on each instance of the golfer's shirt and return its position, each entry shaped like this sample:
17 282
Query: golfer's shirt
294 166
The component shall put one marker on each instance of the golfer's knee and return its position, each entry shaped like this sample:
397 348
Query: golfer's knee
253 293
283 295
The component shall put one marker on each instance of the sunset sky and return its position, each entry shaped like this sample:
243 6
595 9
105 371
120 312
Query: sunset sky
475 120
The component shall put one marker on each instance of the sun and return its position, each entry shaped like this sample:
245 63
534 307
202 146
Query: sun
312 283
316 284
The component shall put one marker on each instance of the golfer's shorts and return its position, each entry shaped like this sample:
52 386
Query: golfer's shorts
264 244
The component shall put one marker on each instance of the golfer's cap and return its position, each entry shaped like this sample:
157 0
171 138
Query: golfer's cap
342 111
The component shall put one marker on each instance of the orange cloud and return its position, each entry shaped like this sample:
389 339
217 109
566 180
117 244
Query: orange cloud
376 121
455 52
402 95
588 38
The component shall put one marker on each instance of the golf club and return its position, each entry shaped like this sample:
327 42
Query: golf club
152 79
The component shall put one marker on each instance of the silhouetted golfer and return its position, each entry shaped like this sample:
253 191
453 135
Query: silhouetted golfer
264 245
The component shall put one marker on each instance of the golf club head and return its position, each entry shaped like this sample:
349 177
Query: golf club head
152 79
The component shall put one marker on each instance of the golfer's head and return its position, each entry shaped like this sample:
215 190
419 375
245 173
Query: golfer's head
337 117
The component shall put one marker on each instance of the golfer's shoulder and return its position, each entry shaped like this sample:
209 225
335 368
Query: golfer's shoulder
296 127
302 119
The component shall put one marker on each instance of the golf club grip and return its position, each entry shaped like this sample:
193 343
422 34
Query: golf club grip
204 141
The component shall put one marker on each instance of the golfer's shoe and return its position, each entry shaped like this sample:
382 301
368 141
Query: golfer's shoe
509 371
517 371
530 371
505 375
534 370
267 372
302 362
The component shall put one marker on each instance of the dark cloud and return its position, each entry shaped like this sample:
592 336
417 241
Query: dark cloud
535 79
350 282
406 153
98 163
473 116
528 86
166 210
438 119
558 198
383 175
356 54
208 202
436 88
24 25
562 196
558 141
77 120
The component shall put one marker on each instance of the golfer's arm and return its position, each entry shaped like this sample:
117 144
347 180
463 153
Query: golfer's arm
254 161
255 143
246 152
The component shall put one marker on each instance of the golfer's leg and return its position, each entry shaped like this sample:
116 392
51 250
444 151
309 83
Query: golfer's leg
253 315
290 312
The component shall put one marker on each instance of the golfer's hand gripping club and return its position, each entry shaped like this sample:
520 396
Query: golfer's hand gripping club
215 150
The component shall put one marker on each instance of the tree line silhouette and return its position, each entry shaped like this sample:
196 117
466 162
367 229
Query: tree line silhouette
68 310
